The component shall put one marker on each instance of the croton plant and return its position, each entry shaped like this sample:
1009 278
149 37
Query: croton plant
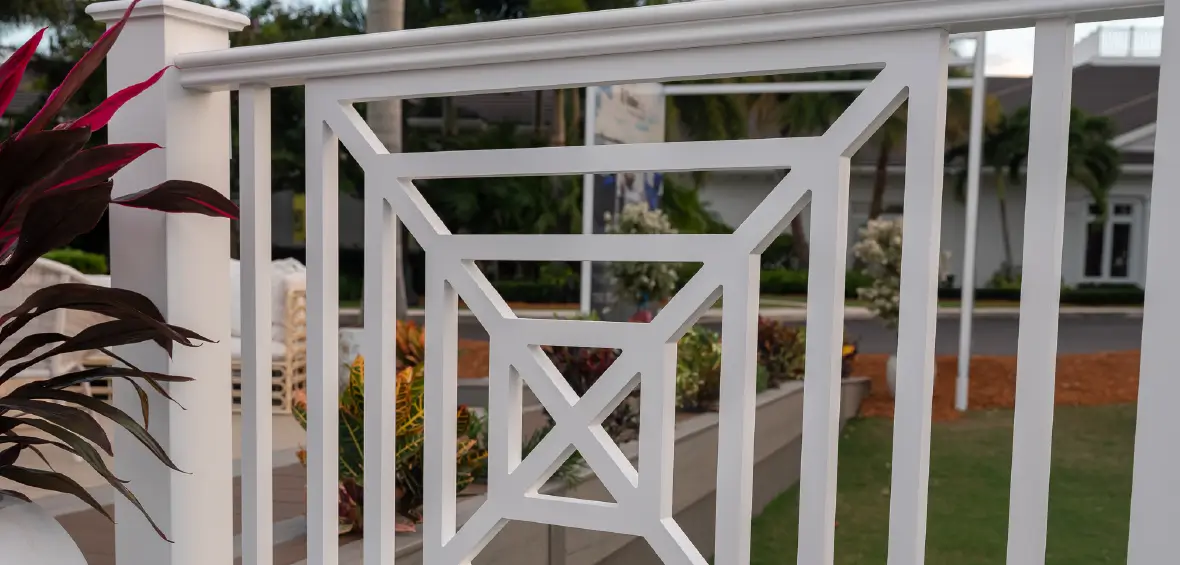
410 461
54 186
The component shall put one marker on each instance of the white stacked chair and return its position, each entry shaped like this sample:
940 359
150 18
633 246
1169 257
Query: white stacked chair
45 273
288 331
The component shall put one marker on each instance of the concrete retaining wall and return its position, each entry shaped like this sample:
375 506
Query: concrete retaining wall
778 439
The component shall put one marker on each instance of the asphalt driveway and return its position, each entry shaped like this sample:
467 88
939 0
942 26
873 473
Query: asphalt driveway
992 335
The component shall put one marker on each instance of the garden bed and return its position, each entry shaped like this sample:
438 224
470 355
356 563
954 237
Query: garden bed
778 439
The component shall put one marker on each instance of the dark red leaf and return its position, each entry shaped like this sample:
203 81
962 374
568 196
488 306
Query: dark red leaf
74 444
77 76
53 221
79 446
101 373
13 69
141 374
106 334
98 118
9 455
68 417
49 480
95 165
29 161
79 296
29 344
113 414
182 196
15 494
111 302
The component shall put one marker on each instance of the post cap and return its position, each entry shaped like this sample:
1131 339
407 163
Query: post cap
109 12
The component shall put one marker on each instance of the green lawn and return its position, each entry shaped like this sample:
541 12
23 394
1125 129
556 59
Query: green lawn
1089 498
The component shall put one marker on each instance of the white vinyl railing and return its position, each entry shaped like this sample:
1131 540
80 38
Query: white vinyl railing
177 261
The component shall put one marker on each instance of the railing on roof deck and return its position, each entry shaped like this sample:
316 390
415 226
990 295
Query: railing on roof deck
1121 43
179 262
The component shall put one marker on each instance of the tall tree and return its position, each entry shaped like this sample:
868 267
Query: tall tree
891 135
811 113
385 118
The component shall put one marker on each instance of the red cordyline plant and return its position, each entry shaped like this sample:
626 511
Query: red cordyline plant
53 189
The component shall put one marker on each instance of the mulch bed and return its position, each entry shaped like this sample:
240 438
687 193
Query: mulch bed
1082 380
473 359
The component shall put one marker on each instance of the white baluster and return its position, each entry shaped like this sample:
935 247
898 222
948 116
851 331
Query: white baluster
1040 295
1155 496
380 382
257 413
919 303
323 328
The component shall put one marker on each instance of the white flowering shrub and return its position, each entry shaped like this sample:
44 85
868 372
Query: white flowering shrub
879 249
643 282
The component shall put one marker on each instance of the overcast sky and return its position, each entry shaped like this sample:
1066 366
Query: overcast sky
1009 52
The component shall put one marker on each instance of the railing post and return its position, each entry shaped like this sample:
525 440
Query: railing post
181 262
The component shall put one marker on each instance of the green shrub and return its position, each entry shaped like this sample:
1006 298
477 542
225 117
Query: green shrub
779 254
1088 294
794 281
536 292
763 378
698 370
685 272
1104 295
85 262
783 281
351 287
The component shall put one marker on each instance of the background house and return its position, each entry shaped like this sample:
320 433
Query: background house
1116 75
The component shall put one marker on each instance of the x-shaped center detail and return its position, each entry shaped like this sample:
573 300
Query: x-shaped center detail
577 424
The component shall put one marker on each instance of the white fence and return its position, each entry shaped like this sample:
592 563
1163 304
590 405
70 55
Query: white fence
179 262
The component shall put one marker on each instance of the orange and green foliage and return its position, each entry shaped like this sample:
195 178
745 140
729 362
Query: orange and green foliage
471 449
411 345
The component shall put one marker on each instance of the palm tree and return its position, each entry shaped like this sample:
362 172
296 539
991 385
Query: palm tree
758 116
1093 163
385 118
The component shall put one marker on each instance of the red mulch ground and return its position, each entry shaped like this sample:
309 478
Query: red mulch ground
1082 380
473 359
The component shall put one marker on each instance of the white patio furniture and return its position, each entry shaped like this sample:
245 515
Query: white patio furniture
288 332
42 274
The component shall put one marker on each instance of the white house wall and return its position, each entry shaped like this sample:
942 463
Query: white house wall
734 195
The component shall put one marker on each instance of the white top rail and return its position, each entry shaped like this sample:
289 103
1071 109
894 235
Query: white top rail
672 26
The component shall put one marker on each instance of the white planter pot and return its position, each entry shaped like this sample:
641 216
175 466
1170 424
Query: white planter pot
30 536
891 374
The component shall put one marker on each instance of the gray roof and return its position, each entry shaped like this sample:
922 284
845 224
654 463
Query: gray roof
1127 95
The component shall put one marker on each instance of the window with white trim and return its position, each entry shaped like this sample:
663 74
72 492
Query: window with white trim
1110 241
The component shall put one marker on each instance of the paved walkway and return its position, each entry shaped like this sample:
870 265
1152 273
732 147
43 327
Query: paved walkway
95 534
